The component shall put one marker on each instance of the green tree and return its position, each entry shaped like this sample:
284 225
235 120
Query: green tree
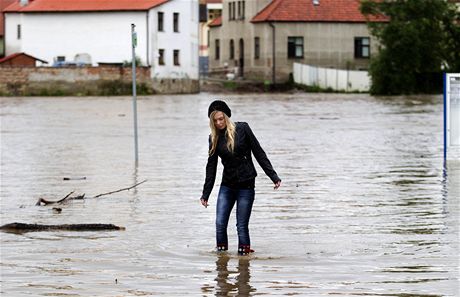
129 63
420 40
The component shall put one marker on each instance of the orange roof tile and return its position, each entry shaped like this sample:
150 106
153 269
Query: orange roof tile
12 56
306 11
3 4
83 5
216 22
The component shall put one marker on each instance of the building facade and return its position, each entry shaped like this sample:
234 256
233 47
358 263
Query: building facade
57 31
262 39
209 11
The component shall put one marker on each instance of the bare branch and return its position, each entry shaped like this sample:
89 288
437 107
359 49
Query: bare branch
124 189
63 200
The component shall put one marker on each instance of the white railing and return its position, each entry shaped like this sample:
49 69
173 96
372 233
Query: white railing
336 79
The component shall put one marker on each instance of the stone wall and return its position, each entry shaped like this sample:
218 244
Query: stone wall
83 81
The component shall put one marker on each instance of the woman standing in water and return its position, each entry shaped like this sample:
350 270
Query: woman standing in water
233 143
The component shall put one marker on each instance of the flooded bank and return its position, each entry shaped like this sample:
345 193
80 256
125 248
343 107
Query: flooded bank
366 207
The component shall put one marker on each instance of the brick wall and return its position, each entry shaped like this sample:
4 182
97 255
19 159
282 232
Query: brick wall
104 80
71 74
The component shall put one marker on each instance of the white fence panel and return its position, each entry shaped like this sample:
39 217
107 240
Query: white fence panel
336 79
312 75
359 80
342 80
322 78
331 78
298 71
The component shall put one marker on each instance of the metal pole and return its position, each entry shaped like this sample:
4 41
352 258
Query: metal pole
273 54
445 113
134 43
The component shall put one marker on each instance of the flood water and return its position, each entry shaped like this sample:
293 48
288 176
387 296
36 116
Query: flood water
366 207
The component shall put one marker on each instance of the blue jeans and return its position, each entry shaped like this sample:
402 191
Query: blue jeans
226 199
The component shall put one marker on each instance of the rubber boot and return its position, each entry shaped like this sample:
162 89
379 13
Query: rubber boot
222 247
244 250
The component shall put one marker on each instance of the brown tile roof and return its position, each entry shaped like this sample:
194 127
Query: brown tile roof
216 22
3 4
84 5
12 56
306 11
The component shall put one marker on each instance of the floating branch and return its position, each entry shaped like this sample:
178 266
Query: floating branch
63 200
124 189
80 197
22 227
74 178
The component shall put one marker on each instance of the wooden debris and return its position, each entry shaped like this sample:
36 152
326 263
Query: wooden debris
61 201
74 178
43 201
23 227
124 189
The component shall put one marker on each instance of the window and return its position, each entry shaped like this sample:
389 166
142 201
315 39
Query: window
239 9
362 47
19 31
160 22
295 47
256 47
161 57
217 54
232 50
242 9
176 57
203 13
176 22
229 10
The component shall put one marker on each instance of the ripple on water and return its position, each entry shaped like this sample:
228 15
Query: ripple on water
365 208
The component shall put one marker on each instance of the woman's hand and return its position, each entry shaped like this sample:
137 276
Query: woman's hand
204 202
277 185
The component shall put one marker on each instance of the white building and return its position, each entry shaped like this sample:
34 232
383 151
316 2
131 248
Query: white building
56 30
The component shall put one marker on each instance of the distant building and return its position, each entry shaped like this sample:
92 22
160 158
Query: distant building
20 60
3 5
209 11
263 38
100 31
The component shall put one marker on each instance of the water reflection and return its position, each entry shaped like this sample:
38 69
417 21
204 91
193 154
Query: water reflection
233 282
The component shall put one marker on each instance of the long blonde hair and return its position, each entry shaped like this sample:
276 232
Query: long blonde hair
229 133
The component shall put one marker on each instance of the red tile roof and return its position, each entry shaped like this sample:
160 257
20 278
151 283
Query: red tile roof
3 5
216 22
306 11
84 5
12 56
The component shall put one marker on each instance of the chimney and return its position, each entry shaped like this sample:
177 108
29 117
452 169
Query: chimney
315 2
23 2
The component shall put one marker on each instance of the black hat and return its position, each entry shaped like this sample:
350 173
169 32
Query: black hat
219 106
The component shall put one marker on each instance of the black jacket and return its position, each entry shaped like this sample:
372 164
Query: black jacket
238 167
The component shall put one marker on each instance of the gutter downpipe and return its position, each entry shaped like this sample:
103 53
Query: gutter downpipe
273 53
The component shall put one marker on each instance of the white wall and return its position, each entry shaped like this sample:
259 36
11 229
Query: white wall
106 36
336 79
186 40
